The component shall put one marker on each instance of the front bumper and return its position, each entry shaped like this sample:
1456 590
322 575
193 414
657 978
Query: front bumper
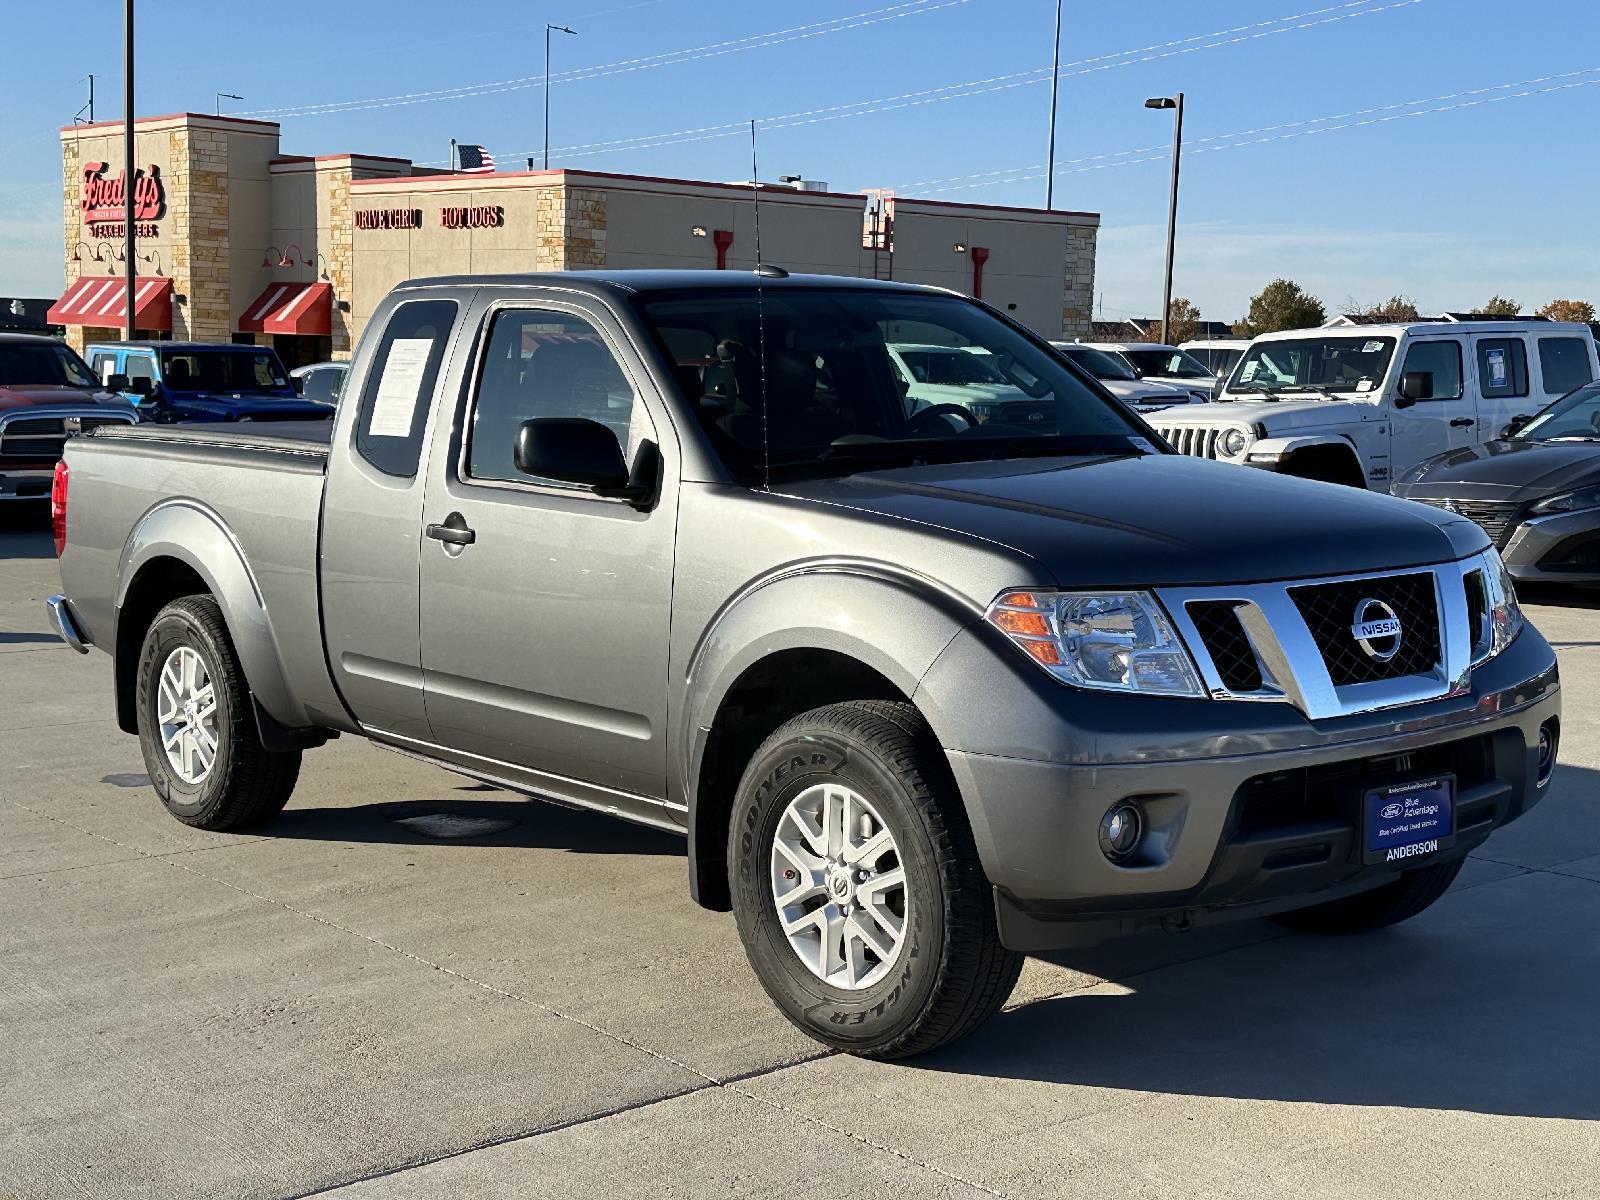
1249 807
1560 548
26 483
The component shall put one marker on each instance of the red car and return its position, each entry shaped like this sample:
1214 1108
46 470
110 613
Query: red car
47 394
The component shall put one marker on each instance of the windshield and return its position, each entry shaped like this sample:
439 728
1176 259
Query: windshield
222 371
802 381
41 364
1165 362
1097 362
1575 415
1335 364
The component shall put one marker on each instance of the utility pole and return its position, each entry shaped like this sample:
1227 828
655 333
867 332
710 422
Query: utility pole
1055 85
1176 104
128 170
547 31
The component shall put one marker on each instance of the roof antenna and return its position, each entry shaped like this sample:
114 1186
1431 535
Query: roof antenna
761 315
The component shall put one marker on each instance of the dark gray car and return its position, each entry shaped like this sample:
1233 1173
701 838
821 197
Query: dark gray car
1536 493
924 690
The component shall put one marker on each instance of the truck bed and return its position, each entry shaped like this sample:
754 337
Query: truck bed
301 438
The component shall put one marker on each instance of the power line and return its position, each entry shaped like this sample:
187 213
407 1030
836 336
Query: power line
996 83
1297 129
777 37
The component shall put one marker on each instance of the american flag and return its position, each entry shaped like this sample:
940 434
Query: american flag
474 160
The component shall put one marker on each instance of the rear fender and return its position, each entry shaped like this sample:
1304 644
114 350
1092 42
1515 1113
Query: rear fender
196 536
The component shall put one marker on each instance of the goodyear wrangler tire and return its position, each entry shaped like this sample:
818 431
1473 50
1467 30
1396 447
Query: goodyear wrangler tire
196 728
857 888
1387 905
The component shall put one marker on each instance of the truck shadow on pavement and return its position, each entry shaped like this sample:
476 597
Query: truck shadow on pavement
1485 1003
536 824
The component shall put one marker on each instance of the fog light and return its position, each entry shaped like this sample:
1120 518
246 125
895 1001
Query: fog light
1120 831
1549 740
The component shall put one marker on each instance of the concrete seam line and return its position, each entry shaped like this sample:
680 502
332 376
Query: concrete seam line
118 861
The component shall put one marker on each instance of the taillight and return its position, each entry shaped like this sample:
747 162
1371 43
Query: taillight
58 506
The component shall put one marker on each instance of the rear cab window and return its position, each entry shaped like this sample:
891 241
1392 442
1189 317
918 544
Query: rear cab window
1564 364
397 393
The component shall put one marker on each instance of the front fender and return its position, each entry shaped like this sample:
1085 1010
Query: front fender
193 534
1271 452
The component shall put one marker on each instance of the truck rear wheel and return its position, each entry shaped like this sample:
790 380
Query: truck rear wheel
1386 905
857 888
198 734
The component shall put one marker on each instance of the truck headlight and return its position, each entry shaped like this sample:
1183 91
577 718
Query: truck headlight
1501 616
1234 442
1569 502
1108 641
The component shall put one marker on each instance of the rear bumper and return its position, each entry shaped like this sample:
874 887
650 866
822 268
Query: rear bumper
1260 812
1561 548
25 483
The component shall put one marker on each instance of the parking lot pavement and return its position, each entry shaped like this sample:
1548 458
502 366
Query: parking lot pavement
338 1003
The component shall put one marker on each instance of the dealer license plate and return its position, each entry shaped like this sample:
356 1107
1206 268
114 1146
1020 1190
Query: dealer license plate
1410 820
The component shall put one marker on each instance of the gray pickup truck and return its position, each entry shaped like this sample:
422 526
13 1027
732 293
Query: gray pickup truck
926 690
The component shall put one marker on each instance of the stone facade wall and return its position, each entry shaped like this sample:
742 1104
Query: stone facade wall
1077 305
197 207
571 230
340 255
72 225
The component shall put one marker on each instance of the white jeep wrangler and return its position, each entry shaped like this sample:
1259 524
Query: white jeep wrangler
1362 404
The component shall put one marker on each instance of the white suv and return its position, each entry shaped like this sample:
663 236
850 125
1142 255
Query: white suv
1363 404
1156 363
1121 380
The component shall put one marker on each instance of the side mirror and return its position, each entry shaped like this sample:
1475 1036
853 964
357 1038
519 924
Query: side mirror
578 450
299 382
118 383
1414 386
1516 425
140 386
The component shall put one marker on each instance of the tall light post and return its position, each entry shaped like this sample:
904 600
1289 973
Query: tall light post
1055 85
1176 104
221 96
548 30
127 155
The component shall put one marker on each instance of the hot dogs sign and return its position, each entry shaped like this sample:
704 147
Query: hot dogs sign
104 201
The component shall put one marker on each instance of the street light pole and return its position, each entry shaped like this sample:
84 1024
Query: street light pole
1176 104
1055 85
128 176
547 31
221 96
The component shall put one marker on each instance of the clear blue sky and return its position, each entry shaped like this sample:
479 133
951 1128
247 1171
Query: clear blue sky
1448 207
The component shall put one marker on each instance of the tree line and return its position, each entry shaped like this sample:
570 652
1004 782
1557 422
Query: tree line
1284 304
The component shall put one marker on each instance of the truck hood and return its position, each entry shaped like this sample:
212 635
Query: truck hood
33 395
1157 520
1279 418
1145 395
1509 469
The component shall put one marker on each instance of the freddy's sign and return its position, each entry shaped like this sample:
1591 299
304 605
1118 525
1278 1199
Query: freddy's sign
106 199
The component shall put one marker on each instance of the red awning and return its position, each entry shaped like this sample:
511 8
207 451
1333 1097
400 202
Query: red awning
304 308
97 300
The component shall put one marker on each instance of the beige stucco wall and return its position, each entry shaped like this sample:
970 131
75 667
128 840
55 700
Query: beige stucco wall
1041 263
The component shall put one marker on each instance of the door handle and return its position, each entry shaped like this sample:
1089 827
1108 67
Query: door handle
1462 423
453 532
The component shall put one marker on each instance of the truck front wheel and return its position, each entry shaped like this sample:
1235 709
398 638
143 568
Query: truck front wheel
1386 905
857 888
198 734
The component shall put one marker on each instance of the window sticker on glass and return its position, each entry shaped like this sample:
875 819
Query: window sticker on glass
1142 445
1372 347
1364 385
396 404
1497 368
1249 372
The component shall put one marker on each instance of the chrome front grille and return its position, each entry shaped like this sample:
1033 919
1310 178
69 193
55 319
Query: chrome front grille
1193 440
1297 642
34 438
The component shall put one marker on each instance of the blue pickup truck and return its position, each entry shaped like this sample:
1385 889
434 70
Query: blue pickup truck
195 381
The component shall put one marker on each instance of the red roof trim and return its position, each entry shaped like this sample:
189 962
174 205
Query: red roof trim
1033 212
772 189
138 121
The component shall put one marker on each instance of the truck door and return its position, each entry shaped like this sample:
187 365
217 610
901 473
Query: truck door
1501 364
1444 420
546 608
372 515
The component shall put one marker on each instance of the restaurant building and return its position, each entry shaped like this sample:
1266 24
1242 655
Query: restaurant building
238 241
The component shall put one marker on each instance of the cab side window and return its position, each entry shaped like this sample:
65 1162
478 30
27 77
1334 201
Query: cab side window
139 366
1502 367
1440 359
398 393
105 365
1564 363
542 363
